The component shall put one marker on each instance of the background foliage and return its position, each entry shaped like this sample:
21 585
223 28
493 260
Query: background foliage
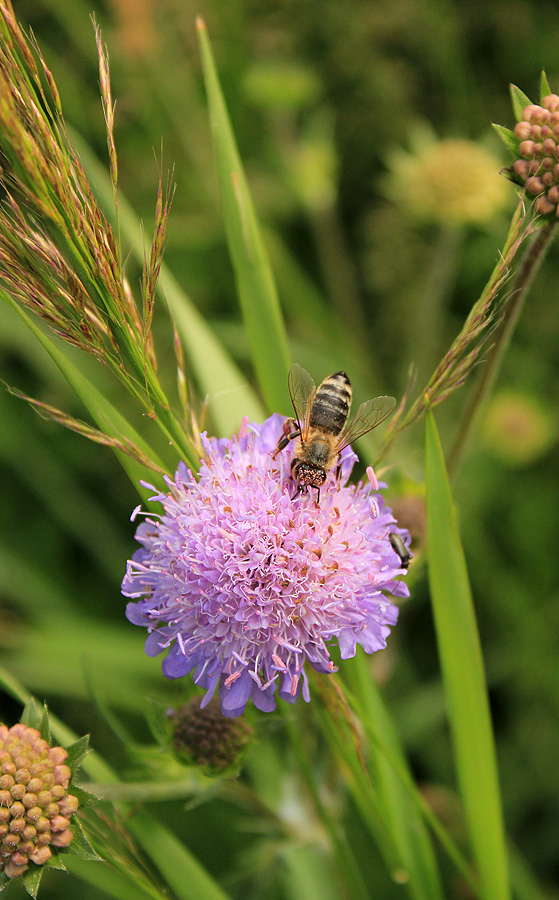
321 96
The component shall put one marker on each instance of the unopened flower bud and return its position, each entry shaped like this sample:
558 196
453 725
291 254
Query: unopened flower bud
451 181
526 149
206 738
40 855
538 150
13 871
544 206
522 130
535 185
62 838
35 808
551 102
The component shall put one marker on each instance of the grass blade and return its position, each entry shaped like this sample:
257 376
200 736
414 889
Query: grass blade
255 282
464 678
406 825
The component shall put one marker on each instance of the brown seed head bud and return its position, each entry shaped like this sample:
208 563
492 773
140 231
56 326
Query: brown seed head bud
207 738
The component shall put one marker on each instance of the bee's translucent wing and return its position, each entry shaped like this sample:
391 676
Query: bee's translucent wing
302 390
368 416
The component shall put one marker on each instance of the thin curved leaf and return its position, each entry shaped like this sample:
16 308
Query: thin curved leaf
255 282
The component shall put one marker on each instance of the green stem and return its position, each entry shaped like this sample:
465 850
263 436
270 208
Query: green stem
347 865
438 283
503 334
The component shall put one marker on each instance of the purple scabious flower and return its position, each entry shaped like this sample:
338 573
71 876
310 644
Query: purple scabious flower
243 585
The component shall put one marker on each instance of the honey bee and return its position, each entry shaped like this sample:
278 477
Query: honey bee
320 425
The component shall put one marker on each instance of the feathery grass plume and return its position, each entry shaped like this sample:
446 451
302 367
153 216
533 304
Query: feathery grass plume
467 348
59 257
123 444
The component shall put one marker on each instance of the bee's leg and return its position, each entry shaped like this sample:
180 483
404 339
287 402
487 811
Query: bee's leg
318 496
338 472
290 432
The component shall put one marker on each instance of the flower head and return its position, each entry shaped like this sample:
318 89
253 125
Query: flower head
35 806
518 429
244 585
451 181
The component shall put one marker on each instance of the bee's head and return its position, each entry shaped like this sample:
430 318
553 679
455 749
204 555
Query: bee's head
307 475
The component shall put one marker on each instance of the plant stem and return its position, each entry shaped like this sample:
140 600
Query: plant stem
503 334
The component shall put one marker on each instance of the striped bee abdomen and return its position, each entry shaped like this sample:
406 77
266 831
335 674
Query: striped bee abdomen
331 404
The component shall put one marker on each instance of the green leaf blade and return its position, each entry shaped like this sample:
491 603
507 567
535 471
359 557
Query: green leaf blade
508 138
544 85
257 292
519 101
464 679
407 828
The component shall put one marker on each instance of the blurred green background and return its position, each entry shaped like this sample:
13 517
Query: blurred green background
324 97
